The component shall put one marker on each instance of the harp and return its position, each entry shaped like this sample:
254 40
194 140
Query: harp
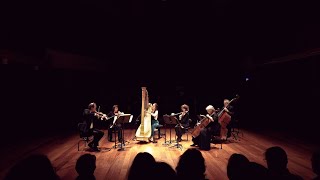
144 131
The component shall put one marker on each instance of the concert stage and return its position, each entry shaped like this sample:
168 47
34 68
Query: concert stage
114 164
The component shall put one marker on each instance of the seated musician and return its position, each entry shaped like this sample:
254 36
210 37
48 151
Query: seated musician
229 110
154 121
184 121
90 117
204 138
113 126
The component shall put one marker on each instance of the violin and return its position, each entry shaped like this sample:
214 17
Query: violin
101 115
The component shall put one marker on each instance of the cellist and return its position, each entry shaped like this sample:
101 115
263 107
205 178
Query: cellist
204 138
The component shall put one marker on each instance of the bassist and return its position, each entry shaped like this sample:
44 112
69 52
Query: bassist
229 109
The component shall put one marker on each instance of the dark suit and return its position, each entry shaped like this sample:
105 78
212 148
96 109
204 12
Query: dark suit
185 123
90 118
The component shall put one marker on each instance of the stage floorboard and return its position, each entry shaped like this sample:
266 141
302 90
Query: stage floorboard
114 164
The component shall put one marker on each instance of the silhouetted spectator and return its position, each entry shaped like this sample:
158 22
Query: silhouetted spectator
316 164
142 167
163 171
237 166
191 165
34 167
85 167
277 161
256 171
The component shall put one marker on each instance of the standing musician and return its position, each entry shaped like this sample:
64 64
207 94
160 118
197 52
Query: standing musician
204 138
154 121
90 117
184 121
115 113
230 111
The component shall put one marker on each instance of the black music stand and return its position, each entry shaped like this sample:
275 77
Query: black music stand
167 121
123 119
175 121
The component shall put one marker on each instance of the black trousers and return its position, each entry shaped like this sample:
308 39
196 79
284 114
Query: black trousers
180 131
204 138
115 128
97 135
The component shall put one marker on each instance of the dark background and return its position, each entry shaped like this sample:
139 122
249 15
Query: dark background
194 52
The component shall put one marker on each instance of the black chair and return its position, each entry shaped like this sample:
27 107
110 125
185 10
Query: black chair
157 129
84 135
187 129
216 140
235 130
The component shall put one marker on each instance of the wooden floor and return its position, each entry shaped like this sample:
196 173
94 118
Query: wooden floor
62 151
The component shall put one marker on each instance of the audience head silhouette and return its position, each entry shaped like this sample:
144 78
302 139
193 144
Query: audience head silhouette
86 166
256 171
316 163
163 171
34 167
237 166
191 165
276 158
142 166
277 161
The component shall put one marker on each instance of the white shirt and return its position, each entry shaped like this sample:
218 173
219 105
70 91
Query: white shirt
155 115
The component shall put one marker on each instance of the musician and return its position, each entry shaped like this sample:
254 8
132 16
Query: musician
154 120
230 111
184 121
203 140
115 113
90 119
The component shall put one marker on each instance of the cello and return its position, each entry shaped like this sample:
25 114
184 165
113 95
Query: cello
224 118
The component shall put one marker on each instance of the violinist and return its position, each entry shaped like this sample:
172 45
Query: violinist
114 114
184 122
90 117
229 110
203 140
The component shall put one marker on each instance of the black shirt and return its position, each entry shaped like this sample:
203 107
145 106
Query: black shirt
185 120
89 118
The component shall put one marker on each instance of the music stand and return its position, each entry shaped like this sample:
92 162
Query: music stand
122 119
167 121
175 122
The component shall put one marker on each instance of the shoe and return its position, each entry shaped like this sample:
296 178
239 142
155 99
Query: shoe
193 145
154 141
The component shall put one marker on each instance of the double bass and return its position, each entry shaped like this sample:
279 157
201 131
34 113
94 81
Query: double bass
225 118
144 131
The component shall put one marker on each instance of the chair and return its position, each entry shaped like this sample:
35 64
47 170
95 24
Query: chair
217 141
157 129
84 135
187 129
235 130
